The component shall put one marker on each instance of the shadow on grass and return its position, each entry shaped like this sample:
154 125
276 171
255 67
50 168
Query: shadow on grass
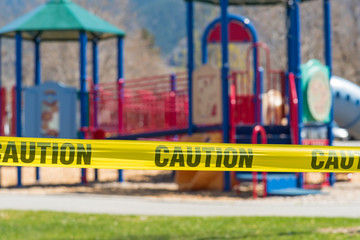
302 235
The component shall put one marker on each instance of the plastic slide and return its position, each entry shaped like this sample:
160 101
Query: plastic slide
346 105
200 180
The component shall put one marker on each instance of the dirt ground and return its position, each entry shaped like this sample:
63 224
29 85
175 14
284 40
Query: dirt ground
150 183
154 184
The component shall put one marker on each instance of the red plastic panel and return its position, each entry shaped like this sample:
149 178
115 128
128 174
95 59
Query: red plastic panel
238 33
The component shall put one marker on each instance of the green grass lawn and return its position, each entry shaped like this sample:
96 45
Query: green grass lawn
52 225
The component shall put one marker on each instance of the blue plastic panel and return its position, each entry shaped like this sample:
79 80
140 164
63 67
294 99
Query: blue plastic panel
50 104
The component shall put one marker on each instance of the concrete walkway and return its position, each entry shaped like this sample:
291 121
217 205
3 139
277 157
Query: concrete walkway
123 205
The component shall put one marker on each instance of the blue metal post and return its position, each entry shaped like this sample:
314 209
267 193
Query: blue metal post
225 69
120 57
120 61
96 89
297 72
173 82
328 35
190 63
95 79
83 84
257 95
328 60
294 59
83 92
225 82
261 88
289 27
204 50
18 69
37 81
297 60
294 51
289 45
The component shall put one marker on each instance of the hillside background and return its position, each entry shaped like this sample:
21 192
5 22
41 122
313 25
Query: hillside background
156 38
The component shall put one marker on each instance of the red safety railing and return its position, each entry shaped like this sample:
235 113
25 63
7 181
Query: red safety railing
160 103
273 96
259 129
244 99
142 105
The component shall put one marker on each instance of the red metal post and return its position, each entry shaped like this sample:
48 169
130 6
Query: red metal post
172 119
120 97
97 134
233 108
95 106
232 115
255 132
13 110
85 131
3 111
294 122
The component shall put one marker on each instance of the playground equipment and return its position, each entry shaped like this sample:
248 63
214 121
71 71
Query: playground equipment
200 180
54 21
199 101
346 105
50 111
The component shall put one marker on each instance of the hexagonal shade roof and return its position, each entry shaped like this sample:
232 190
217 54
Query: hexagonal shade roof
60 20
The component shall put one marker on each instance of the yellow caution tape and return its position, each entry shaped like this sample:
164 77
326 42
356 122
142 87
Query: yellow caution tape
116 154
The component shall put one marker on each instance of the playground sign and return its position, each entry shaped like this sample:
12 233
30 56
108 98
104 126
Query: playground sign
206 91
146 155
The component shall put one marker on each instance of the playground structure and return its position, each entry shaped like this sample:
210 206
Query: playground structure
53 21
248 100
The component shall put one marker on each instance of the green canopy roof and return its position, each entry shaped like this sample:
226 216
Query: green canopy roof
60 20
246 2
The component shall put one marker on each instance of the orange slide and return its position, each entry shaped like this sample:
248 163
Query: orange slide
200 180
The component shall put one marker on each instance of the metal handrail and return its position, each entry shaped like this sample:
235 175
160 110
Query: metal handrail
259 129
294 117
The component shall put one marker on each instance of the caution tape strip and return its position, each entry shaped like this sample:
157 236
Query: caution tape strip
116 154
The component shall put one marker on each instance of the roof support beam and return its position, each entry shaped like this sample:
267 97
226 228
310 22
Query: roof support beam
37 80
120 62
191 61
225 81
328 61
225 68
120 57
37 54
294 60
95 63
83 93
95 89
18 74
